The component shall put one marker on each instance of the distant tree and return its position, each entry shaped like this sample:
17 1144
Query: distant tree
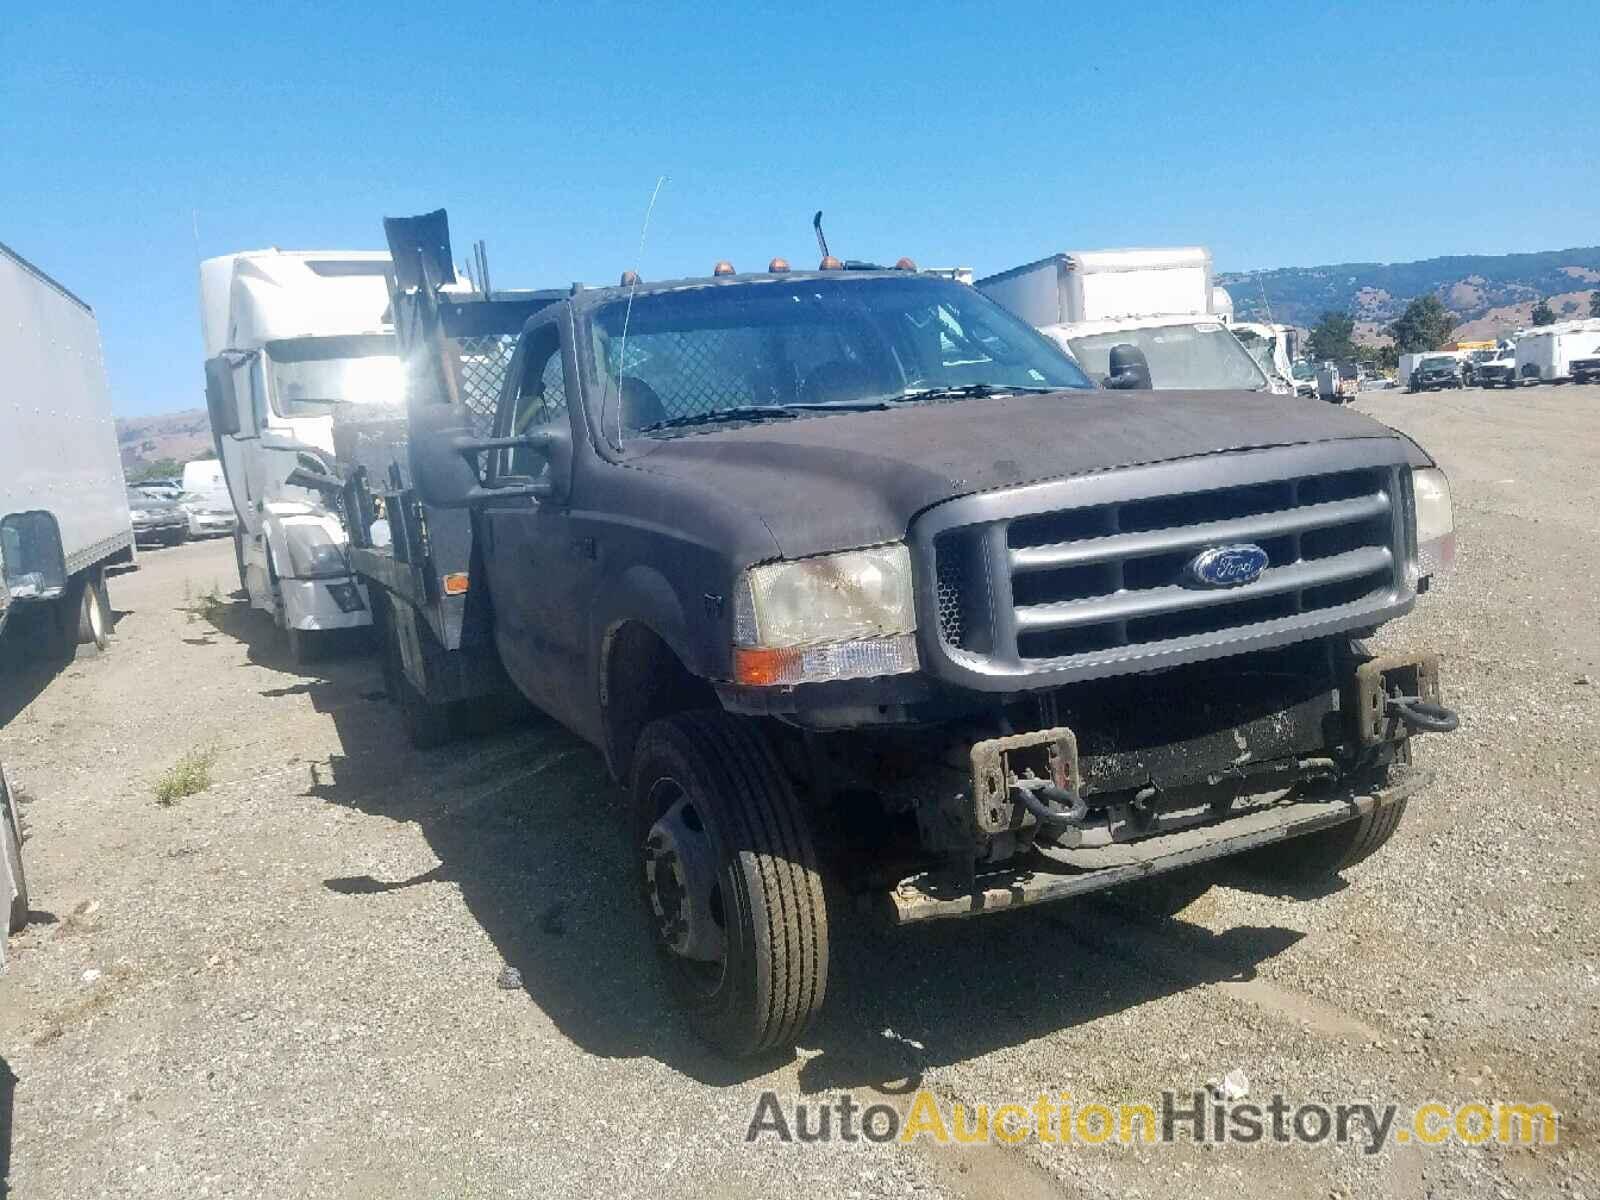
1333 336
1543 314
1594 303
1425 325
162 468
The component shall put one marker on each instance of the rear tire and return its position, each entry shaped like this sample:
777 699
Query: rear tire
11 848
765 896
238 558
1327 852
94 614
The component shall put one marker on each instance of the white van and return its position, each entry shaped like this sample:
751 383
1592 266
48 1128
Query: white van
205 498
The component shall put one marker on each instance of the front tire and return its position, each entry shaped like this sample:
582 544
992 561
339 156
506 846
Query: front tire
1327 852
730 881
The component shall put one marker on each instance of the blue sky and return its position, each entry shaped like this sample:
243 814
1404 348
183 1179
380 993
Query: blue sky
984 135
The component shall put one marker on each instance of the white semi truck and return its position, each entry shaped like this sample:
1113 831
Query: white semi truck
63 498
1153 306
290 337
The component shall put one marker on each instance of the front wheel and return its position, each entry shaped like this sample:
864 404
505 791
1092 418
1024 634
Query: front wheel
730 881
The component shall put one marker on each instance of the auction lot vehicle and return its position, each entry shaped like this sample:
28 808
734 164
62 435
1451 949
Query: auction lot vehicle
850 572
1152 307
205 499
1338 382
292 337
1499 371
1270 346
1546 354
1435 371
63 500
157 521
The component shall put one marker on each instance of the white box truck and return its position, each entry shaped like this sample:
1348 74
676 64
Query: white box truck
1154 305
1545 354
63 498
289 337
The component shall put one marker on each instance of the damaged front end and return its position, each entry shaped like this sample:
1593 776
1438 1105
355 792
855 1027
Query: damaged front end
1137 776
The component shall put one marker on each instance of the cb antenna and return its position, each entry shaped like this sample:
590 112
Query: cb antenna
822 238
627 315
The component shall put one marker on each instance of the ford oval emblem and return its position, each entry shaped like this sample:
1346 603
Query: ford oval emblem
1227 566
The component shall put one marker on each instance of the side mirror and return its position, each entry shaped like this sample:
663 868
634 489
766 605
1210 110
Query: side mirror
1130 370
444 457
222 403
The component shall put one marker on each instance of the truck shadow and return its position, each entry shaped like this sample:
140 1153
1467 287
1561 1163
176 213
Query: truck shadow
8 1086
25 669
529 827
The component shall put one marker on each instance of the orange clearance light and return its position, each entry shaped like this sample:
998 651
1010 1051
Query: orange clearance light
778 266
759 666
455 584
905 264
830 263
723 268
629 279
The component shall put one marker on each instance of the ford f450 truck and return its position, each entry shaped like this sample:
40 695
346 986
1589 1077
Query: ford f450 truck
853 573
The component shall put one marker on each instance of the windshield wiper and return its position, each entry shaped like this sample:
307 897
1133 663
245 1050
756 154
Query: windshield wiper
969 389
758 412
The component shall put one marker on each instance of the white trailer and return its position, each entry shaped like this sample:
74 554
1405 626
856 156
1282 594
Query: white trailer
290 336
1546 353
1156 302
1105 285
63 498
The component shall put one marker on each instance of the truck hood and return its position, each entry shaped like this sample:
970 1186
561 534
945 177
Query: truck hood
857 479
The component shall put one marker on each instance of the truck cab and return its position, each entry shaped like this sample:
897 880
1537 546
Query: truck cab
291 338
855 575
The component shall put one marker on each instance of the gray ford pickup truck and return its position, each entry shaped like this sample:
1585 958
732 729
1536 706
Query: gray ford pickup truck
852 575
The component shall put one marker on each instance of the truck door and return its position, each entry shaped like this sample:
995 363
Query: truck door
538 573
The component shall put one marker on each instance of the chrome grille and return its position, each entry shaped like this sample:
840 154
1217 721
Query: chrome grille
1100 588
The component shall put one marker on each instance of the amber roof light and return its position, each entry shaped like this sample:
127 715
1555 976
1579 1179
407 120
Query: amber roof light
905 264
723 268
778 266
830 264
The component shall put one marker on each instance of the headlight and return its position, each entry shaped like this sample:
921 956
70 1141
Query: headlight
837 616
1436 522
313 554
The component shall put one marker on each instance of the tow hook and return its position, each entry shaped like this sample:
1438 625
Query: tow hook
1055 807
1421 716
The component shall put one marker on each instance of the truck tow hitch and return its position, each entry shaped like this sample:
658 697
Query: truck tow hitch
1055 807
1421 716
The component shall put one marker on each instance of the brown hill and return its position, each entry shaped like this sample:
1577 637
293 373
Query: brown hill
179 437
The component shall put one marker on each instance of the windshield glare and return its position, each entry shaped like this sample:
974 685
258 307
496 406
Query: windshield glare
1438 362
1204 356
808 342
310 375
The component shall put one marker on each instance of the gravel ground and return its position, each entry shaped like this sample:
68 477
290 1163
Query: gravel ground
288 983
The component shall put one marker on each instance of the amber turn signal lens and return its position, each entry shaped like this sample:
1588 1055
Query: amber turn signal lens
455 584
761 667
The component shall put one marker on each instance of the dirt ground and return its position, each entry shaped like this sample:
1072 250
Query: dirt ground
290 982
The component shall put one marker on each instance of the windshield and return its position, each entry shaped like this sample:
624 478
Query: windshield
1261 349
310 375
1204 356
1434 363
757 347
1304 371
